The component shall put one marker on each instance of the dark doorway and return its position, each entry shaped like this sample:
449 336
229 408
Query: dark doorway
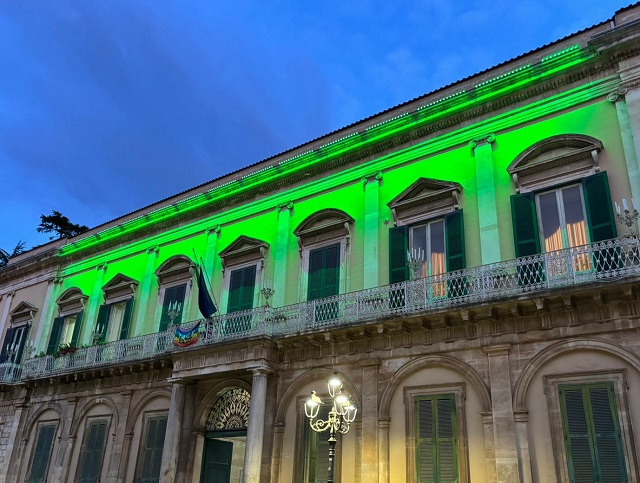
223 458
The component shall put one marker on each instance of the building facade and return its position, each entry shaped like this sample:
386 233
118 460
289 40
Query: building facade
457 260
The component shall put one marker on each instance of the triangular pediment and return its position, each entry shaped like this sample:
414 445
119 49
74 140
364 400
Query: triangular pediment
22 311
425 190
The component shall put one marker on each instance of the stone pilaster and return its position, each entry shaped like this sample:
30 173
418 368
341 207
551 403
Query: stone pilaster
95 297
62 472
42 328
371 229
276 461
13 456
255 431
383 450
4 317
117 451
504 434
522 426
486 191
186 430
140 322
169 465
628 143
369 417
282 245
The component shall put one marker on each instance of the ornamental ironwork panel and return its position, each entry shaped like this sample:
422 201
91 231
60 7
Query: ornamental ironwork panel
231 410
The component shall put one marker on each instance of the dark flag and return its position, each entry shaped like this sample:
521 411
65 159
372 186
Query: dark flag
205 303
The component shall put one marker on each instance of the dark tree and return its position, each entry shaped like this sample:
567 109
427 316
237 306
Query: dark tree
5 255
60 225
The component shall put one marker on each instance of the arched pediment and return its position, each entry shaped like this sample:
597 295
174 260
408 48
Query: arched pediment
243 249
554 160
324 225
120 287
174 269
72 300
425 198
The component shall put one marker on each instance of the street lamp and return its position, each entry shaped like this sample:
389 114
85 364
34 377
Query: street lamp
339 419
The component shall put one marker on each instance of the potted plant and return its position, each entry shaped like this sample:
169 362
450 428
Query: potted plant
63 349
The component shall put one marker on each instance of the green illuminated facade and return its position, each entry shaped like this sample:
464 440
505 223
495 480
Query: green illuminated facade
457 260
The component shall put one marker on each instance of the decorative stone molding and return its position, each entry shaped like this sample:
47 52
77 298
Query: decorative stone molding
242 250
215 230
497 350
102 266
151 250
71 301
558 159
486 139
426 198
324 225
285 206
119 288
24 312
175 269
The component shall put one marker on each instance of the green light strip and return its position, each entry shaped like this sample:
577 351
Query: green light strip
396 125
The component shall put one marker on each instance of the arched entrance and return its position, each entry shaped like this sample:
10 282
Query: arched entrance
226 437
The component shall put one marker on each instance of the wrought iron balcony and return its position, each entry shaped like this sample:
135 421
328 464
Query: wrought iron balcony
10 373
613 260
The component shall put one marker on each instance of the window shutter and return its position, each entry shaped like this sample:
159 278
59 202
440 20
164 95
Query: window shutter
42 454
425 445
437 439
152 452
54 338
91 459
331 282
172 294
579 456
454 228
76 330
103 319
525 224
597 197
241 287
126 319
316 262
607 435
398 247
22 340
447 442
8 340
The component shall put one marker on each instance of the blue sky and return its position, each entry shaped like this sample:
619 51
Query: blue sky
108 106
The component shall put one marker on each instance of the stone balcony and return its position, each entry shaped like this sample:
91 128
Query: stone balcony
512 281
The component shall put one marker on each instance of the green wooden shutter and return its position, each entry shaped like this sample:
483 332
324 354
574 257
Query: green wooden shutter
398 247
126 319
152 451
8 340
23 340
436 439
42 454
324 272
454 232
241 287
592 434
316 268
597 197
54 338
93 452
76 329
103 319
525 224
172 294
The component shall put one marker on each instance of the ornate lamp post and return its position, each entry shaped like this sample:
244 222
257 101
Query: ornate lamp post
339 419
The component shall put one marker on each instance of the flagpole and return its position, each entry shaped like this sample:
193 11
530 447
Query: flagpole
207 280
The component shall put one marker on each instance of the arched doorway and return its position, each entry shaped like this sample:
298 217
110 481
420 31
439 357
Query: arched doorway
226 437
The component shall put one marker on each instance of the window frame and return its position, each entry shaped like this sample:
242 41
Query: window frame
618 378
410 396
39 426
343 265
226 282
427 223
148 416
81 454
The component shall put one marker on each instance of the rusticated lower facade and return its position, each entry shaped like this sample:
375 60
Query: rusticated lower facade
467 263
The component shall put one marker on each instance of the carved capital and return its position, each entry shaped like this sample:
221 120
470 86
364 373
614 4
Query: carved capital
618 94
261 371
486 139
497 350
154 249
102 266
371 177
215 230
285 206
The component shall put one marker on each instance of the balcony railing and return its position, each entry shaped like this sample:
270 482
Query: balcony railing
10 373
521 277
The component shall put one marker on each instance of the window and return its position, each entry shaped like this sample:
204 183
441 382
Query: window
436 434
151 450
114 316
315 457
175 280
42 453
324 279
591 428
242 285
92 452
592 434
13 346
65 330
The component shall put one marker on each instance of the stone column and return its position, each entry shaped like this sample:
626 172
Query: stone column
504 433
140 323
118 459
255 431
522 426
369 416
169 465
383 451
486 189
371 230
282 248
95 297
628 143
